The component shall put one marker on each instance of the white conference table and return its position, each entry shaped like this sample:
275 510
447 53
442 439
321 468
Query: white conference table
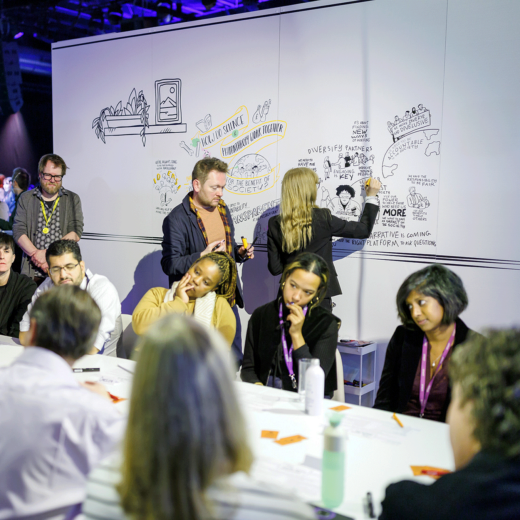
378 450
115 373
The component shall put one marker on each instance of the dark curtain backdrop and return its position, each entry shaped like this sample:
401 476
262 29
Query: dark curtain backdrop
27 135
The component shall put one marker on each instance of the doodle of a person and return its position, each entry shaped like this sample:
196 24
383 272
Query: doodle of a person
407 115
414 111
420 108
414 200
390 127
371 160
363 159
343 206
327 167
341 162
397 120
355 161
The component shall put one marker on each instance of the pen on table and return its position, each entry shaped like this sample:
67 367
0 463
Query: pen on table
79 370
370 505
398 421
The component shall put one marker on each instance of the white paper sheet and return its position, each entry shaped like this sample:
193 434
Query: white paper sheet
300 480
387 431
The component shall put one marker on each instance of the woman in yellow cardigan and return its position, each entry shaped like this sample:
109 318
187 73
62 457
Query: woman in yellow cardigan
203 292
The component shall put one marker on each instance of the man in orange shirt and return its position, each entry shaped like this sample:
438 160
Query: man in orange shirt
200 224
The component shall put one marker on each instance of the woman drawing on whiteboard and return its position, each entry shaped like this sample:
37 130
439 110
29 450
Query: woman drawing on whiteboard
302 226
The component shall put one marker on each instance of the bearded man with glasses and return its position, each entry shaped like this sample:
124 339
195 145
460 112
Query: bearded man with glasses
65 267
44 215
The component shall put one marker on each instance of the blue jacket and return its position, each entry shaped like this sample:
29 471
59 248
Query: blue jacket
183 242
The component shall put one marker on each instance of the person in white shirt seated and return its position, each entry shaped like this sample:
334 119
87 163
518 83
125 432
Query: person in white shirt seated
185 453
67 267
53 430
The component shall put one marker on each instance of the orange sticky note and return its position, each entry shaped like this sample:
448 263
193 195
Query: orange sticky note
268 434
290 440
429 471
340 408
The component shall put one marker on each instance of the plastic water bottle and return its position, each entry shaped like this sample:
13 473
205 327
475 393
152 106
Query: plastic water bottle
314 388
333 465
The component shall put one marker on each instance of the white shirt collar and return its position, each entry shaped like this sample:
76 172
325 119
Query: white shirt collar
49 361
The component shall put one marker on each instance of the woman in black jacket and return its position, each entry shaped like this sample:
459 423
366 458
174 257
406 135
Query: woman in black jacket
293 327
302 226
428 302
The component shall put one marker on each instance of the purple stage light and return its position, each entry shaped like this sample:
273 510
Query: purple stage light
18 35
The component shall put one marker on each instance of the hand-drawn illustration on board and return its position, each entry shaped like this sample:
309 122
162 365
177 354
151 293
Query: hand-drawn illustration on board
166 183
261 113
133 118
409 160
416 200
343 205
410 170
168 101
240 145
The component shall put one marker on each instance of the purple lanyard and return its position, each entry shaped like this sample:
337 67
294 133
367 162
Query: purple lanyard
423 395
287 352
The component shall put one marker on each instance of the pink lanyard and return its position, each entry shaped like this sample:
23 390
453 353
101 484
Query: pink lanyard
424 394
287 352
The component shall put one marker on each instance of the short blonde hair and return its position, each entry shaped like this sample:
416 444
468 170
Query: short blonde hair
204 166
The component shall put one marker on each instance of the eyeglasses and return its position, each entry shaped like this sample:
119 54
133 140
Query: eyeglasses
67 268
48 177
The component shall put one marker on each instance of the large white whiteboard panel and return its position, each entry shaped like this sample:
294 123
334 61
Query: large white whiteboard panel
303 85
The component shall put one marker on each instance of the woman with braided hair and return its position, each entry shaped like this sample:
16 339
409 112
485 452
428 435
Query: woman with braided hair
203 292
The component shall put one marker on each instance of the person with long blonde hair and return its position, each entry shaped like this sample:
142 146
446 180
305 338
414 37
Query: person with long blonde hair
185 454
302 226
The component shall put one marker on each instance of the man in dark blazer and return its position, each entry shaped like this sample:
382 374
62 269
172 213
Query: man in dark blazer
200 224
